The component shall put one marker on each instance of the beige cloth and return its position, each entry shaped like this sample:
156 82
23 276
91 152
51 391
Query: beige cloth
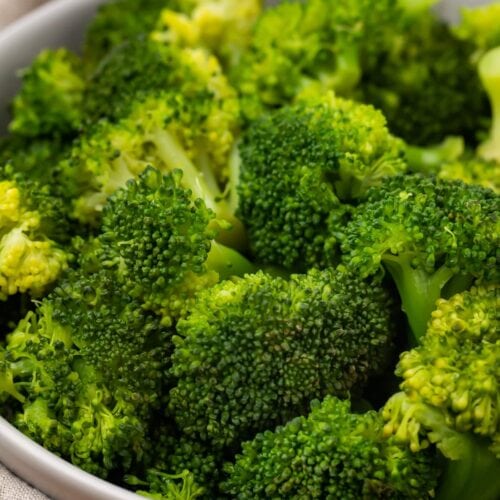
12 488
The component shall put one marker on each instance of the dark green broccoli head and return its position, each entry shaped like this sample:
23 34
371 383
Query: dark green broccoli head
309 46
51 97
253 352
426 83
331 453
432 235
88 368
297 163
158 239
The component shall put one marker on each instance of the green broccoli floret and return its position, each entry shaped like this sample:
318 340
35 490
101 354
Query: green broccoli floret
119 21
298 164
87 368
51 98
481 26
331 453
425 82
451 393
193 130
433 236
30 258
489 71
224 27
473 170
160 243
253 352
309 46
163 486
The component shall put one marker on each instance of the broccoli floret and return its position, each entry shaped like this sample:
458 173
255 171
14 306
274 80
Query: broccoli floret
331 453
51 98
30 258
119 21
450 393
87 367
425 82
481 26
321 44
160 243
163 486
253 352
489 70
298 164
433 236
222 26
473 170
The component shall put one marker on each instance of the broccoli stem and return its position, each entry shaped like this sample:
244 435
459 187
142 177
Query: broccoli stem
489 71
418 290
203 185
228 262
428 160
347 70
475 476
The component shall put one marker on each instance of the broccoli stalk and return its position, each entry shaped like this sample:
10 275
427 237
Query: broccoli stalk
428 160
489 71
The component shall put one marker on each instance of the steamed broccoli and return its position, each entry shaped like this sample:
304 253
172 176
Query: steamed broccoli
332 453
160 243
424 82
450 393
30 220
119 21
322 44
481 26
222 26
51 97
86 369
433 236
253 352
298 164
489 70
473 170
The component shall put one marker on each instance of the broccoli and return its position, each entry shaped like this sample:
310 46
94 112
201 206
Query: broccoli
119 21
473 170
86 369
424 82
163 486
298 164
222 26
481 26
253 352
433 236
193 130
489 70
50 101
331 453
159 241
321 44
450 393
31 258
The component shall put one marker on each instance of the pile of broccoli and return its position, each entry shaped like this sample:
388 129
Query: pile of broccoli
252 252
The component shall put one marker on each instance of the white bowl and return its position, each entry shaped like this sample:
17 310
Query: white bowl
62 23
